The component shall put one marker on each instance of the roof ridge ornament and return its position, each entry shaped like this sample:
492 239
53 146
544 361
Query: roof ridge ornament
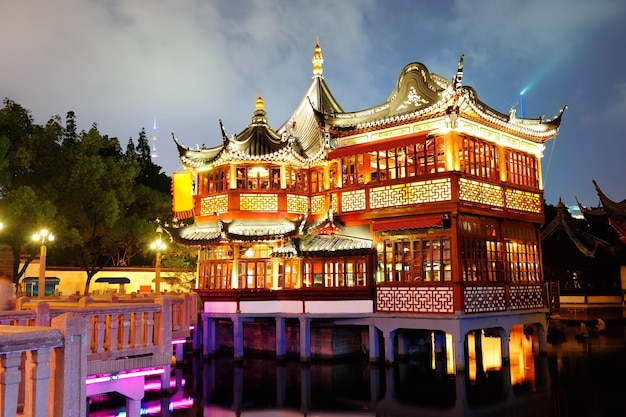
452 113
224 135
458 78
317 59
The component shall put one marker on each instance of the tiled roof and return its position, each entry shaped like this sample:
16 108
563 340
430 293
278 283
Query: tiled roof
325 245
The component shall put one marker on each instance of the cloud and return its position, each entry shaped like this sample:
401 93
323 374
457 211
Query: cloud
188 63
616 107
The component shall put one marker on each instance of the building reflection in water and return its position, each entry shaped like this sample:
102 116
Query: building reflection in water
423 385
574 378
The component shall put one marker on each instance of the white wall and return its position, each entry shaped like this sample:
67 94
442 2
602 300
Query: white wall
74 280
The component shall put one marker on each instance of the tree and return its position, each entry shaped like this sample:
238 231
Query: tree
29 157
95 197
98 201
25 212
183 261
152 201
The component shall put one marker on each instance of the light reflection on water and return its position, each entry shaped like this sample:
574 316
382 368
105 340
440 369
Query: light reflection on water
574 378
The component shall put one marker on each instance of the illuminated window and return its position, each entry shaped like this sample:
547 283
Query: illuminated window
415 258
424 157
288 273
335 272
297 180
522 169
352 170
317 180
255 274
478 158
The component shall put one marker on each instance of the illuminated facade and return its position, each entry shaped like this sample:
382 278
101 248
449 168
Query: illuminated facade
429 203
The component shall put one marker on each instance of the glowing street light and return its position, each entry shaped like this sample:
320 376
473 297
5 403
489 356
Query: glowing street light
42 236
159 246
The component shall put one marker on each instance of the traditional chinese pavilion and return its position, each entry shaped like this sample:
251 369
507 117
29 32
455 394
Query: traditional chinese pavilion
422 212
581 255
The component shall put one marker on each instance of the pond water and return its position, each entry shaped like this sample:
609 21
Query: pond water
575 377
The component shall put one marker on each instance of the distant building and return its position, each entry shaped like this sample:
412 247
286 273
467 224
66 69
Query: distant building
586 254
428 203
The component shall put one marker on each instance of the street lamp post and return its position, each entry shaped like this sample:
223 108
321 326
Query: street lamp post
159 246
42 236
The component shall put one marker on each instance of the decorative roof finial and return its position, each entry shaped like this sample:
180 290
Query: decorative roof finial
317 60
260 104
458 78
259 107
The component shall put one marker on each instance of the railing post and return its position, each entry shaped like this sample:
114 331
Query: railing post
42 311
186 322
165 324
70 368
10 376
165 337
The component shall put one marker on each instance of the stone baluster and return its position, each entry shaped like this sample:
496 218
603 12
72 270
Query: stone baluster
90 334
148 325
124 330
112 328
38 374
99 329
10 376
136 329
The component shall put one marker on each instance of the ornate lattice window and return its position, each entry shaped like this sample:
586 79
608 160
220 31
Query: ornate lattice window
317 180
297 180
424 157
352 170
289 273
478 158
481 260
522 252
522 169
211 182
255 273
220 275
492 253
480 249
335 272
414 259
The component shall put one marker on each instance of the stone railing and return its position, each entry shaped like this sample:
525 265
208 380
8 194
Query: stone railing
184 306
42 369
120 336
112 337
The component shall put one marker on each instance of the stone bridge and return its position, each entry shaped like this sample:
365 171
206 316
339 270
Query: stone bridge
56 352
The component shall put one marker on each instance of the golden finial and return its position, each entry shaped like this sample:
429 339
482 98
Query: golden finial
260 104
317 60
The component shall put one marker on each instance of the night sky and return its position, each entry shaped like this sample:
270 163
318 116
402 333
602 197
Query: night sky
188 63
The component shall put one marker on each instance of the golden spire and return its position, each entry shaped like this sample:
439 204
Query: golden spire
260 104
317 60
